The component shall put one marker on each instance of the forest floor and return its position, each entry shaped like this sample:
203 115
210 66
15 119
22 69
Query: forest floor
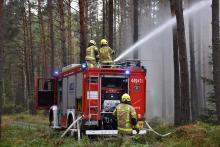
33 130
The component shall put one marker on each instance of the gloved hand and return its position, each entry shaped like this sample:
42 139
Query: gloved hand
137 130
133 121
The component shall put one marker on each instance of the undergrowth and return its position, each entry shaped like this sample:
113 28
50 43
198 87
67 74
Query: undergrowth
198 134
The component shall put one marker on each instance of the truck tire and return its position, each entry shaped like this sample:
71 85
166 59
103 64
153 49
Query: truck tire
70 121
50 118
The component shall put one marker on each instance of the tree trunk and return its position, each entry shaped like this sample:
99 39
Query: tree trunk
62 33
193 84
26 30
216 54
184 75
122 26
83 26
25 87
130 19
30 53
104 18
26 65
177 103
69 48
43 39
86 19
31 60
51 32
90 25
135 33
110 23
1 61
115 26
176 70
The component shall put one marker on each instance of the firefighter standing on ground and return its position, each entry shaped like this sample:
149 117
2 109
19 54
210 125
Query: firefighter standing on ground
126 115
92 54
105 53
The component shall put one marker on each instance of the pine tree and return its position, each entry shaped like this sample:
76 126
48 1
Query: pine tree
216 54
83 29
135 33
43 39
51 32
1 62
110 23
176 69
193 84
184 75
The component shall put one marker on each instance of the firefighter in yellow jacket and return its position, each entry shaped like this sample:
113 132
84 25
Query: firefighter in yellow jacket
92 54
105 53
126 115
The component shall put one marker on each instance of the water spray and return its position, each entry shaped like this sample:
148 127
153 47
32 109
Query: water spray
169 23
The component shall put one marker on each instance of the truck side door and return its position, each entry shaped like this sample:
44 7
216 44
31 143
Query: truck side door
46 93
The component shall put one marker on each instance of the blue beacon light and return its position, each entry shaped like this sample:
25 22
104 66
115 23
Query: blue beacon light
127 72
84 66
56 72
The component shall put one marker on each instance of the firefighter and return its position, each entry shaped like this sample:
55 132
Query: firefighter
126 115
105 53
92 54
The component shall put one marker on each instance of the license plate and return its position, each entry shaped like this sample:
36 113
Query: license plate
140 124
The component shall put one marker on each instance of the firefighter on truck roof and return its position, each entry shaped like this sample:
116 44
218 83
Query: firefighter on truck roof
92 54
105 53
126 115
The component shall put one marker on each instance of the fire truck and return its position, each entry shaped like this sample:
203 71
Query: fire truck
91 94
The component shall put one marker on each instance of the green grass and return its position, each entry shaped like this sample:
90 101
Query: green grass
40 118
194 135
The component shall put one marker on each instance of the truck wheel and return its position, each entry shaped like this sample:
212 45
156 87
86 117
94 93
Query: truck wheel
70 121
50 118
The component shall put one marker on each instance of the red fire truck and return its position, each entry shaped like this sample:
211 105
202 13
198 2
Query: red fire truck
92 94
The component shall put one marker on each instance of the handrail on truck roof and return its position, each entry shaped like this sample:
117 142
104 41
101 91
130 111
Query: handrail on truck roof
130 63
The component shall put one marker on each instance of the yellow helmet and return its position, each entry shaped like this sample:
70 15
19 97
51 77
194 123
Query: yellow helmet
92 42
104 42
125 97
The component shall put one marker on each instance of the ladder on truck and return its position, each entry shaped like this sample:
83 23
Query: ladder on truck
94 111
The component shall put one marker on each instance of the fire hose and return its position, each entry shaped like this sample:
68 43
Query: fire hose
79 118
151 129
